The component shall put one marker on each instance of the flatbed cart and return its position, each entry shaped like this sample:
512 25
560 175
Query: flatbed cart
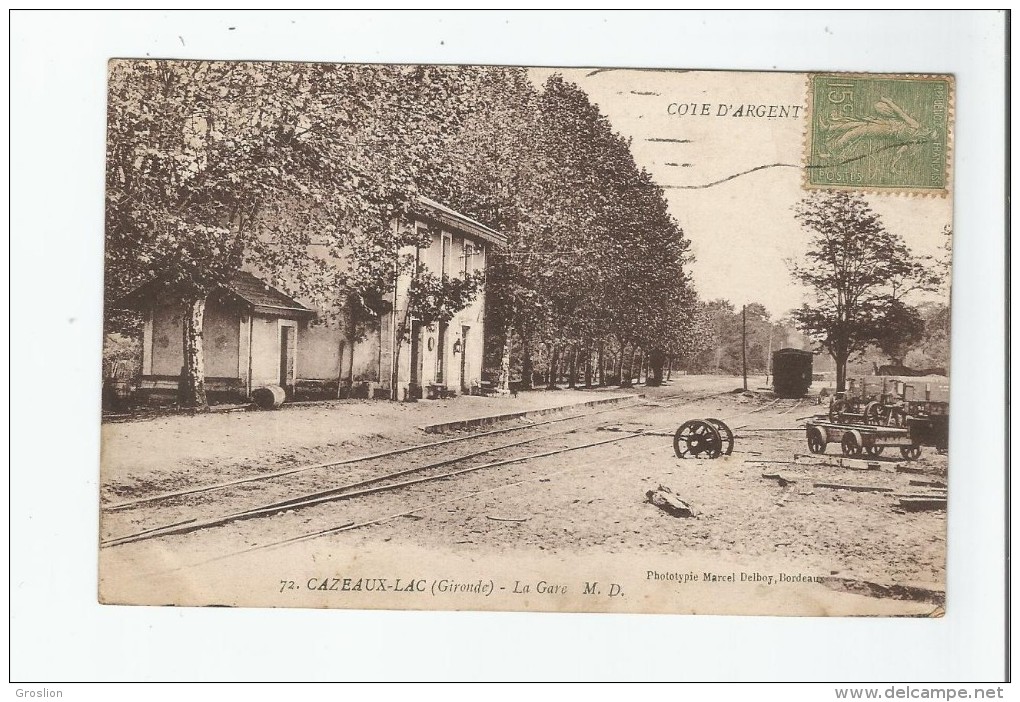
861 439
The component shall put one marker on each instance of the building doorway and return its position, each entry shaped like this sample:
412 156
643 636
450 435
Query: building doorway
288 342
464 386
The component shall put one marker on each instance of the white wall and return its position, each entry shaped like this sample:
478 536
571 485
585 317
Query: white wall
220 333
319 351
265 351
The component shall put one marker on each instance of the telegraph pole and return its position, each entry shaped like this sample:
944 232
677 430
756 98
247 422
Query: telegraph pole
743 345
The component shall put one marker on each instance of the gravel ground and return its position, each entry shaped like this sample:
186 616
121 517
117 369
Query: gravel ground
173 451
576 508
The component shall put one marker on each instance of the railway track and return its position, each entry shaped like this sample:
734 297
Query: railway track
362 477
264 477
391 481
351 526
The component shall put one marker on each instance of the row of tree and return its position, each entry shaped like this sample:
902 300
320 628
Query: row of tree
595 267
309 173
735 335
212 166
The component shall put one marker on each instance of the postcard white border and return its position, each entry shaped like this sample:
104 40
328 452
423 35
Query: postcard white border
59 632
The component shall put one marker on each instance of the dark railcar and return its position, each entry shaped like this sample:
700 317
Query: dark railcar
791 372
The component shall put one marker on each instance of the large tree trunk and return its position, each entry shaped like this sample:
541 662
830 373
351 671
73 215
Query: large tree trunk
572 370
841 361
629 380
656 360
602 363
553 368
399 331
587 366
503 386
669 370
527 367
340 367
618 371
191 387
350 345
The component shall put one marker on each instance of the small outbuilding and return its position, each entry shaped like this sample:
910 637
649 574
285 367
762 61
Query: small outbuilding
249 337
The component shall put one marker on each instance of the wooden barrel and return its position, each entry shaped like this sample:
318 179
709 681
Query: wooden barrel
268 397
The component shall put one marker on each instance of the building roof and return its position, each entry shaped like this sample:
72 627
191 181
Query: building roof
262 296
452 218
251 292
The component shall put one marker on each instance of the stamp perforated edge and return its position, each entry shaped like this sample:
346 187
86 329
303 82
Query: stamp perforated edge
944 192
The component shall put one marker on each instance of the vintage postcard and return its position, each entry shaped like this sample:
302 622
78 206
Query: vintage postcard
532 339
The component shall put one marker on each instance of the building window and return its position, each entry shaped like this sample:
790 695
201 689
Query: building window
469 252
447 245
423 233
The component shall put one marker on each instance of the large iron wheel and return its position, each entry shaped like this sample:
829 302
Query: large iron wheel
725 434
873 413
697 438
911 453
850 446
874 451
815 440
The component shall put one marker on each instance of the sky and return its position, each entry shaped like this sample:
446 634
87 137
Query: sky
742 231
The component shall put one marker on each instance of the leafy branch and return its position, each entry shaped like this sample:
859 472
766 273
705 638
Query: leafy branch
432 298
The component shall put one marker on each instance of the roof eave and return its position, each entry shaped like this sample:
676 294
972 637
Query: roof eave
285 312
464 223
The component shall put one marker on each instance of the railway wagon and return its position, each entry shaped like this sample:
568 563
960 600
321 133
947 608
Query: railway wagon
791 372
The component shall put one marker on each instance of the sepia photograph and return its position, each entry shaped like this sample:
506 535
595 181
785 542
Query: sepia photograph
485 346
495 337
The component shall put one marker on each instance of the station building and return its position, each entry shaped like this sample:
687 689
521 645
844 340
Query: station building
256 335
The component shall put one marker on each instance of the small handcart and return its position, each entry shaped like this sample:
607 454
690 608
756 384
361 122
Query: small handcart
860 439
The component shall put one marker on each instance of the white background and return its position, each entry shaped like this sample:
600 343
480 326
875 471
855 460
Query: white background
60 633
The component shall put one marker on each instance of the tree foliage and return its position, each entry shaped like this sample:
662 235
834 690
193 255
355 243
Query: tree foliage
932 349
858 272
594 257
724 338
213 166
433 298
307 173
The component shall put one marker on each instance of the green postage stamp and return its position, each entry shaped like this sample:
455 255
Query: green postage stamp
879 132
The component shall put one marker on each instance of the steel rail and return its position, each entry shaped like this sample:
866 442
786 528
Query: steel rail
375 456
350 526
340 493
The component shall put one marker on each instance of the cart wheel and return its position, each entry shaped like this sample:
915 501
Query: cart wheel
874 450
724 433
911 453
873 413
850 445
697 438
815 440
836 408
